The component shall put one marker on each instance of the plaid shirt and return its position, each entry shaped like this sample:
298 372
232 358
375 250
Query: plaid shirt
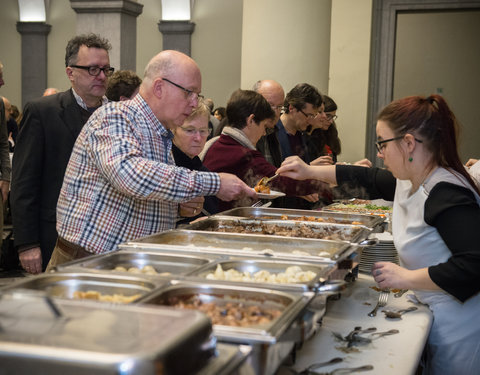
121 182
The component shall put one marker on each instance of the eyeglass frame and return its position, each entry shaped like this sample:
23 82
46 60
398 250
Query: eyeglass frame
107 71
190 93
378 144
331 117
310 116
192 131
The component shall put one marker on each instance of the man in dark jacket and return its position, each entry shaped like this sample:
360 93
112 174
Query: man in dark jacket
48 131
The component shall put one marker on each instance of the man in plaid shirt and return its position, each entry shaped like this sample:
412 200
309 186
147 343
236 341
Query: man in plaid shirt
121 182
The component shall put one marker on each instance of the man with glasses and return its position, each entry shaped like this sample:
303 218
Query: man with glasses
268 145
48 131
121 182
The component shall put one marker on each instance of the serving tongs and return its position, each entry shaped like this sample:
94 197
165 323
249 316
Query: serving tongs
265 180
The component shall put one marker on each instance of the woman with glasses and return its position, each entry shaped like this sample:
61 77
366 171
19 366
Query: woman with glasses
323 142
436 216
248 112
188 141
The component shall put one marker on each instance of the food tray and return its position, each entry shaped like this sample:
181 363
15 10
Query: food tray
83 337
165 264
271 343
284 228
262 213
273 267
64 285
242 244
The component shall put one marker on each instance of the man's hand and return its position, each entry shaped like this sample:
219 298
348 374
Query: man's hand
231 188
31 260
5 188
192 207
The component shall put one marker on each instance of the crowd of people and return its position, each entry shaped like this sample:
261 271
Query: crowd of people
116 157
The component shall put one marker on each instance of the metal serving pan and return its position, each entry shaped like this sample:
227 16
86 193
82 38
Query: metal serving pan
243 244
163 263
284 228
271 342
261 213
86 337
245 269
66 285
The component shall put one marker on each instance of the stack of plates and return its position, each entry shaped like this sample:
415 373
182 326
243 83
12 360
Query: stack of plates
384 251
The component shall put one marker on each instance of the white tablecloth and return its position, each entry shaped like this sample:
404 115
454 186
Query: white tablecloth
395 354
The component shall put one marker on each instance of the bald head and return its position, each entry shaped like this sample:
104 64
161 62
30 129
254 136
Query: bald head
171 86
273 92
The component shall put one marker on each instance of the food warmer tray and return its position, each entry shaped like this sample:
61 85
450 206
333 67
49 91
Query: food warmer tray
65 284
164 263
55 336
253 265
264 213
271 342
312 230
244 244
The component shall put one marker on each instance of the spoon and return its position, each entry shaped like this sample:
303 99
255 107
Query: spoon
398 314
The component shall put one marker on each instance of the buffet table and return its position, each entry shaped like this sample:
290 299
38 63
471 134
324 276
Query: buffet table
394 354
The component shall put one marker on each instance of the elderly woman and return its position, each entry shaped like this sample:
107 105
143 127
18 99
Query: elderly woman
234 151
188 141
436 211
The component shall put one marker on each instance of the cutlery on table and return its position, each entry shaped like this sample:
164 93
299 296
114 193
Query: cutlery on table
382 301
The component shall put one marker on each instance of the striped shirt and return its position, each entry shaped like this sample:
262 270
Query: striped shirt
121 182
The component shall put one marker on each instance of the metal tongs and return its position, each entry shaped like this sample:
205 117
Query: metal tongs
265 180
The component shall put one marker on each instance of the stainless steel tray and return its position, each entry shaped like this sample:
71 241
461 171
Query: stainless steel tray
64 285
251 266
271 343
242 244
261 213
284 228
163 263
84 337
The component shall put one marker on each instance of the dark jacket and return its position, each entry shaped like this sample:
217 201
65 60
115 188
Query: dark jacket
183 160
49 128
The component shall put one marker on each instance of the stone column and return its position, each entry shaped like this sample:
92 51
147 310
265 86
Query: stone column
177 35
34 58
115 20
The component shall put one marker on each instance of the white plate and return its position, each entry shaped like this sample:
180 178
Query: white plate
273 194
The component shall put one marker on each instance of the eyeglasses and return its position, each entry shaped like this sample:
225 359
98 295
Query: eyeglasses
309 115
276 108
192 131
95 70
189 93
331 117
381 144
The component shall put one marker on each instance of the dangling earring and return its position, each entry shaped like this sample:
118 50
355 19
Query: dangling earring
410 159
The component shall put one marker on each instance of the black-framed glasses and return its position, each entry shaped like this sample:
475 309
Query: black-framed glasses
189 93
191 131
95 70
331 117
310 116
381 144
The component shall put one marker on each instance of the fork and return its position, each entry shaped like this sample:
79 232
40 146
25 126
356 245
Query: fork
382 301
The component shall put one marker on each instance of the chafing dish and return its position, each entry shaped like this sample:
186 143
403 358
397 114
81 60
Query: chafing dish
163 263
312 230
66 285
252 266
262 213
85 337
271 342
242 244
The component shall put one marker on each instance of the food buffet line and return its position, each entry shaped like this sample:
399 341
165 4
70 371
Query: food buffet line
264 278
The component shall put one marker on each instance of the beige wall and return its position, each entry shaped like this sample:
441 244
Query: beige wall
287 43
349 65
237 42
446 61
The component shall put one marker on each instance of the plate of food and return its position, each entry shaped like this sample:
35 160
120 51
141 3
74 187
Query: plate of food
272 194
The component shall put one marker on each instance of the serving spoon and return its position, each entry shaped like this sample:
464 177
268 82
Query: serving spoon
398 314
